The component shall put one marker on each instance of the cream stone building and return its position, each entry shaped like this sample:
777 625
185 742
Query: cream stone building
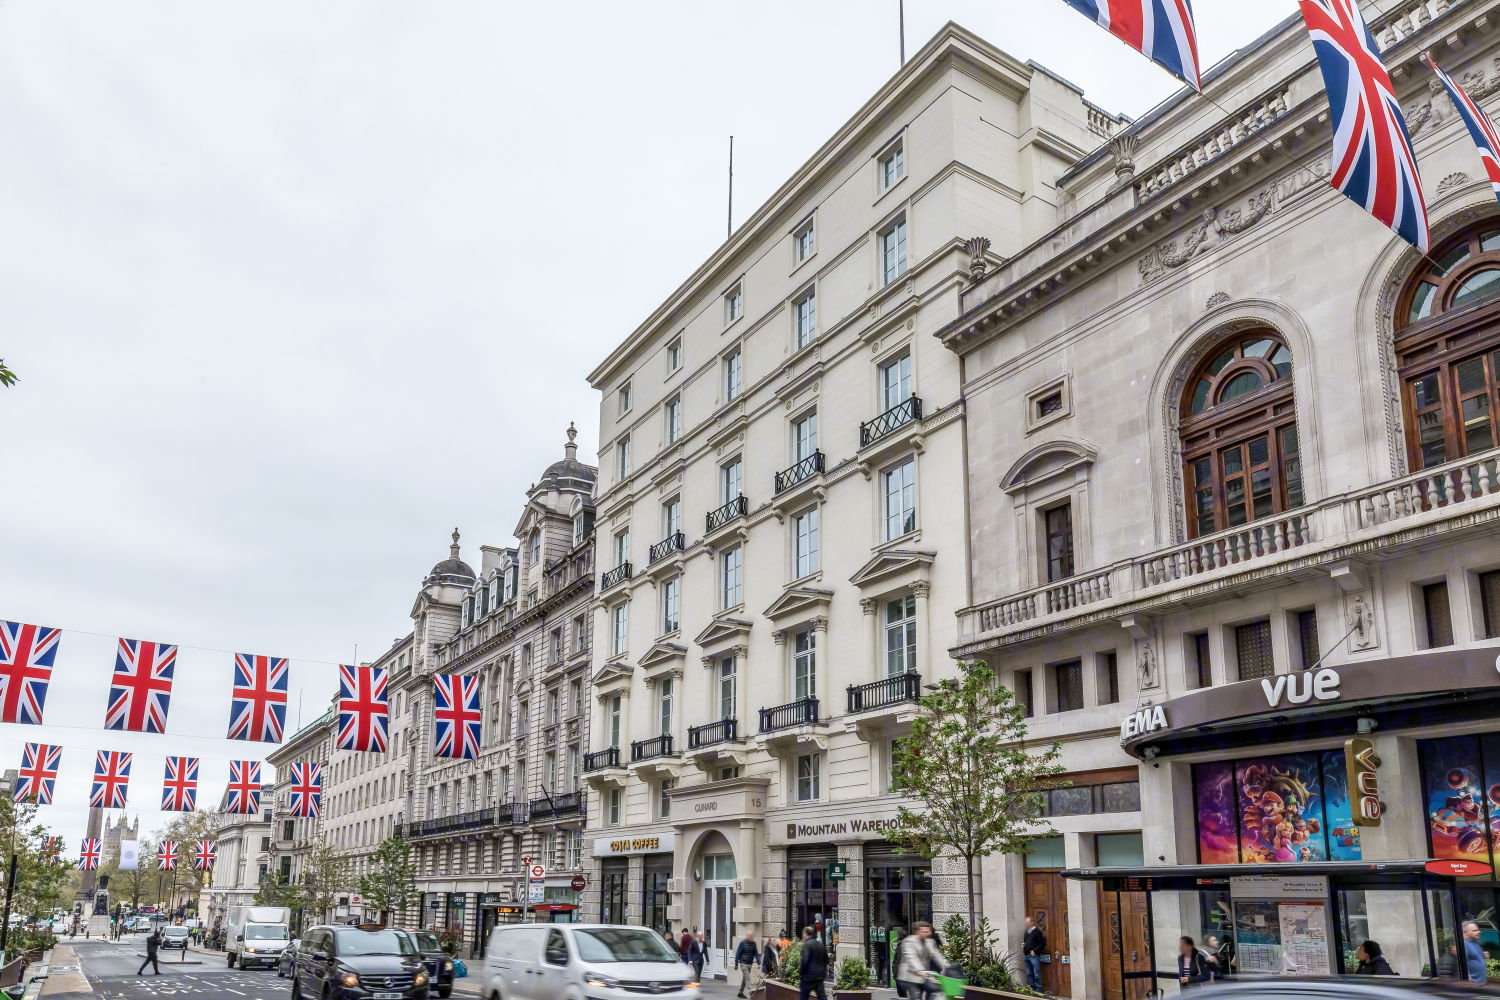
782 519
243 860
294 837
1232 486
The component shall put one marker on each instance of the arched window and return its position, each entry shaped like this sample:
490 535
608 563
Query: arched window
1241 460
536 546
1448 348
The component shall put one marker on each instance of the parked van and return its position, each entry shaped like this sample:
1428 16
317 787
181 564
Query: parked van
578 961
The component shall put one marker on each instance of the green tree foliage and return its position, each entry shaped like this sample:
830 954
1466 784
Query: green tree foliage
325 872
275 892
187 829
7 377
972 780
391 880
40 880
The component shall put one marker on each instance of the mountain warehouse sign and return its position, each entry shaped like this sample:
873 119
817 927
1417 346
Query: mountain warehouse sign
854 828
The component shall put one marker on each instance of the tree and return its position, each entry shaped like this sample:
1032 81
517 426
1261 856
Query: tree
132 883
392 878
324 873
187 829
40 879
966 764
7 377
275 891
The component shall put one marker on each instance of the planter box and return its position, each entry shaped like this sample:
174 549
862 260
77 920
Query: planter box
780 991
853 994
980 993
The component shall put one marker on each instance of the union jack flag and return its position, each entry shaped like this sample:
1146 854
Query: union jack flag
166 856
39 763
1160 30
1480 125
179 787
26 654
244 788
141 686
1373 162
111 776
456 712
363 708
205 852
307 790
52 849
88 855
258 711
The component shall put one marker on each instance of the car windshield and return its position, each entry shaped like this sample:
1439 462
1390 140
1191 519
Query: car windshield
265 932
176 932
425 941
610 944
373 943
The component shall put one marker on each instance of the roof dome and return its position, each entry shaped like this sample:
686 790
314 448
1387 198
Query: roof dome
569 473
452 569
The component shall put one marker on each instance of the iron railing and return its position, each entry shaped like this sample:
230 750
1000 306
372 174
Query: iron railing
723 731
656 746
893 419
805 469
510 814
738 507
898 690
797 713
675 542
614 576
562 804
598 760
472 820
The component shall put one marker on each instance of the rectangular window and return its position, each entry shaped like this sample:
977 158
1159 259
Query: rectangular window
901 636
807 777
892 165
622 458
1109 677
731 572
805 319
664 798
1435 612
554 707
805 543
1307 638
732 377
1059 526
1023 692
1252 650
615 719
625 398
900 499
664 706
619 629
613 811
734 305
1200 672
575 697
1067 678
726 687
580 633
622 547
671 600
523 720
805 437
893 253
731 481
674 420
671 517
895 382
555 645
674 355
728 773
804 241
1489 603
805 664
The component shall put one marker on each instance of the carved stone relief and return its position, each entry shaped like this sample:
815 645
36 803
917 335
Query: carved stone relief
1359 618
1456 179
1147 669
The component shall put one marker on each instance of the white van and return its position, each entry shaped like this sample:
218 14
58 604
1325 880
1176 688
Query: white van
578 961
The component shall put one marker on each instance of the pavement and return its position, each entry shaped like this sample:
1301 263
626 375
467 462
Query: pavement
97 969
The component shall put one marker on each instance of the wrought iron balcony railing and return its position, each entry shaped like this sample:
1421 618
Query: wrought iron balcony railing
614 576
898 690
891 420
716 519
510 814
723 731
598 760
797 713
656 746
805 469
562 804
675 542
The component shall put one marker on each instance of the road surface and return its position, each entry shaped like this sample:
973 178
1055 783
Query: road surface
109 970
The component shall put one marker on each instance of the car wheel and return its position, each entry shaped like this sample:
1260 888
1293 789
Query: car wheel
296 988
445 991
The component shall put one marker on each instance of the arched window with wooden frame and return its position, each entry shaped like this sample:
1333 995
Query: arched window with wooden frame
1448 348
1238 423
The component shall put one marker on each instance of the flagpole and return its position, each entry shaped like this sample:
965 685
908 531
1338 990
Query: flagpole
901 20
729 226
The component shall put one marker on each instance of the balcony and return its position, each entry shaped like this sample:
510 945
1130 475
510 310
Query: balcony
674 542
564 804
903 413
803 712
1397 514
475 819
902 689
510 814
723 731
656 746
734 509
598 760
614 576
804 470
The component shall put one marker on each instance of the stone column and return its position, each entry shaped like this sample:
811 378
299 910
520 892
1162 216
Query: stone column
635 899
852 917
925 657
1084 941
1395 918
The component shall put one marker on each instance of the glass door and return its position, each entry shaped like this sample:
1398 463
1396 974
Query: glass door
718 926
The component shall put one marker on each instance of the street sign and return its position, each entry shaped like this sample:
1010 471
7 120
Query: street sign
837 871
537 894
526 860
578 883
538 871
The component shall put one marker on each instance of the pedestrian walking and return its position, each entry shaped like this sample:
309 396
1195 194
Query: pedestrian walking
685 944
770 957
1371 961
917 959
746 956
1191 969
696 951
1475 957
152 943
814 966
1033 947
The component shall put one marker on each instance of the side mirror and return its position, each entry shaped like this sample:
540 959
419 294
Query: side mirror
320 956
239 937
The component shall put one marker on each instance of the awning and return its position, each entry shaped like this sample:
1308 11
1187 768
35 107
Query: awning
1168 878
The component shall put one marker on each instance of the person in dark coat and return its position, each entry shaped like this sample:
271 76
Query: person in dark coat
1033 947
1191 969
1371 961
697 952
814 968
684 945
152 943
745 958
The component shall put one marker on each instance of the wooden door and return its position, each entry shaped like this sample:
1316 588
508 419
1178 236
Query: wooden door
1047 904
1125 933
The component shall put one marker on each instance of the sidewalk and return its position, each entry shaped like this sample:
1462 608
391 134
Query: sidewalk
64 973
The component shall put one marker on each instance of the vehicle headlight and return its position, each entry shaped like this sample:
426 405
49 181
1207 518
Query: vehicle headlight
447 965
600 980
419 979
349 979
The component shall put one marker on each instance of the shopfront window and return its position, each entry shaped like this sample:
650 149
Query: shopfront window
1275 810
614 879
654 892
899 893
1461 790
813 901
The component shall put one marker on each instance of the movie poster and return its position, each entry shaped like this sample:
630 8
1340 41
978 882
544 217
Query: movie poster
1217 830
1338 813
1455 797
1489 745
1281 809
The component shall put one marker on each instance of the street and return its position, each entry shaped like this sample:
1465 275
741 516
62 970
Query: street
109 968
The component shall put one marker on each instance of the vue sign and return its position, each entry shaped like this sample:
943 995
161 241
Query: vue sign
1147 720
1300 688
1360 763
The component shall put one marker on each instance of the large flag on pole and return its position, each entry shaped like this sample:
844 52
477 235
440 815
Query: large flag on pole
1480 125
26 654
1160 30
1373 162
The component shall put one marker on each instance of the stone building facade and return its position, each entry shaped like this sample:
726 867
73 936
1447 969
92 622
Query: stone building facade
294 837
243 860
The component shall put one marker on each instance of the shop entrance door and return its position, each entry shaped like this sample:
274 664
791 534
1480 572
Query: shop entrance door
1123 930
1047 903
718 926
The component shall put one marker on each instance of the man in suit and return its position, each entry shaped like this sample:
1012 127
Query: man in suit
1033 947
814 968
152 943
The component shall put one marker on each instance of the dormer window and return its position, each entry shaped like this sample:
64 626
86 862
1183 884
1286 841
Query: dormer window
534 546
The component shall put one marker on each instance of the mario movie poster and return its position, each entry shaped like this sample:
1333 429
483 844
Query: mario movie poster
1287 809
1462 795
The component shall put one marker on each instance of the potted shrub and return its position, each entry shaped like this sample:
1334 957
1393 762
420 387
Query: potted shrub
853 981
784 984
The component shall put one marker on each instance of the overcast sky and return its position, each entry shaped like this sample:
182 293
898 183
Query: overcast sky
295 288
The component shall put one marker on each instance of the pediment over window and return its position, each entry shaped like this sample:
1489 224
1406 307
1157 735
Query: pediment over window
663 653
722 630
799 601
1048 460
892 562
611 676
